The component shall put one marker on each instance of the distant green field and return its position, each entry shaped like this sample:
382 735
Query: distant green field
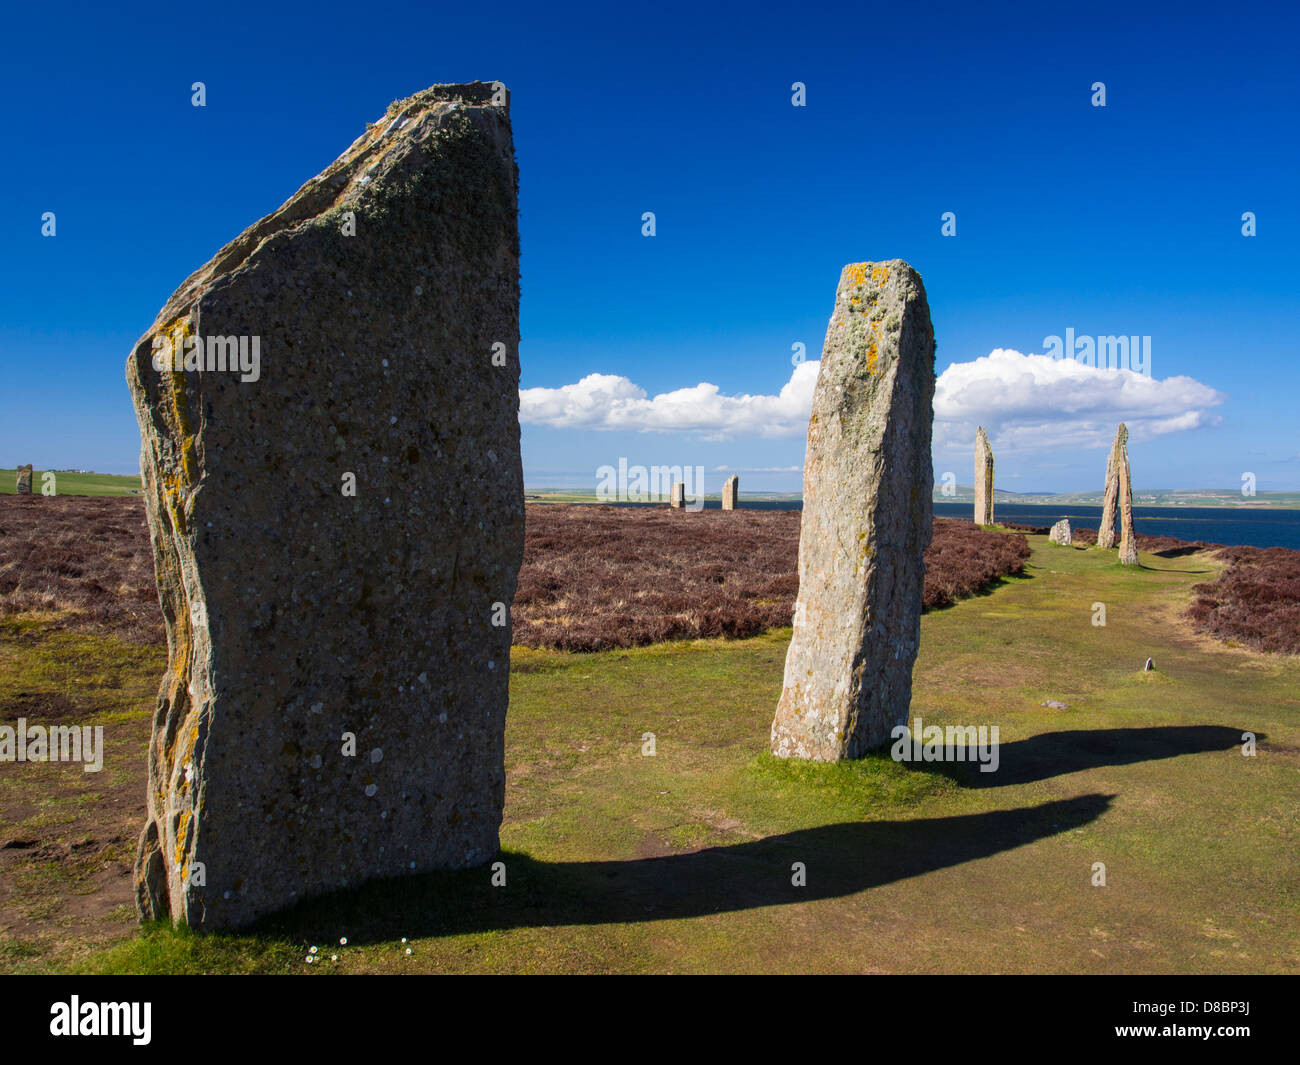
76 484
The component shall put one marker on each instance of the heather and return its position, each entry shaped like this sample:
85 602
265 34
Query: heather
593 578
600 578
1255 600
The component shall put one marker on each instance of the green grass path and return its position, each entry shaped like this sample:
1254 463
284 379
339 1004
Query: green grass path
682 862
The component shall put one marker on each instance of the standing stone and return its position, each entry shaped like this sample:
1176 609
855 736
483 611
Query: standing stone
1110 501
1128 555
983 478
678 496
1060 533
24 487
730 492
337 526
867 516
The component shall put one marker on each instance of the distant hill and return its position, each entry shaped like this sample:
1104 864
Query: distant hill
1143 497
76 484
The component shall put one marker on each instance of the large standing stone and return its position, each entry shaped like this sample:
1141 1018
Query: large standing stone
677 498
730 492
867 515
983 478
337 530
1128 555
1110 500
1060 533
24 487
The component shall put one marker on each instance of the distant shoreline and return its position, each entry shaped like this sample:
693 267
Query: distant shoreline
98 484
753 498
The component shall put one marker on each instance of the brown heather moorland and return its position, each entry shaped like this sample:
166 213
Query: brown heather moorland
1255 600
87 558
593 578
599 577
596 578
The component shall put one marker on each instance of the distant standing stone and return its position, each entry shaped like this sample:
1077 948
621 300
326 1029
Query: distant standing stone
730 492
678 496
867 513
337 527
983 478
1060 533
25 480
1110 500
1149 666
1128 555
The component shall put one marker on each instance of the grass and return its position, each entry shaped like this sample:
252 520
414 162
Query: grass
682 862
75 484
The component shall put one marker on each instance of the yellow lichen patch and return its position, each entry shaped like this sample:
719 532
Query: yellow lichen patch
856 273
176 482
879 275
181 329
181 824
873 349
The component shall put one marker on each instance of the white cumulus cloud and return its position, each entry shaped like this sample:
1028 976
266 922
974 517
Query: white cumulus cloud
1029 402
1035 402
605 401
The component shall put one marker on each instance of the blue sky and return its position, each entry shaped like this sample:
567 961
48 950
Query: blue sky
1117 220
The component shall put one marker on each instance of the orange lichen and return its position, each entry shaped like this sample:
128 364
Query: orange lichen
182 822
873 348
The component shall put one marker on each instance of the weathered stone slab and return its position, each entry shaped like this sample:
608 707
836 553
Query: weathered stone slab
1128 555
677 498
867 515
337 525
1060 533
730 492
1110 500
983 478
24 486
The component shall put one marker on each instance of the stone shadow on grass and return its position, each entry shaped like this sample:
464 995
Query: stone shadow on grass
1053 754
839 859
